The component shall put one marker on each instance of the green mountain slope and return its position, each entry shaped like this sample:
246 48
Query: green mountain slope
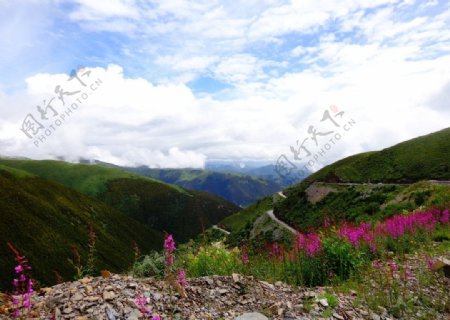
161 206
241 189
426 157
324 193
44 220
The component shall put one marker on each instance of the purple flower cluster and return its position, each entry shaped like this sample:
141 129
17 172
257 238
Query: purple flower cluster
400 224
445 217
244 258
141 302
181 277
308 243
277 252
356 234
169 247
394 227
23 285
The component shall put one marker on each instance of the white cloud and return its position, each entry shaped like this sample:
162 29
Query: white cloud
130 121
98 10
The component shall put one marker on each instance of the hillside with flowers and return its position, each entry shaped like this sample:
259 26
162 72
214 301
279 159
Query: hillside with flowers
328 248
373 185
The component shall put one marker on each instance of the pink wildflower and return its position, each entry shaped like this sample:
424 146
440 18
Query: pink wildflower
181 278
169 246
430 264
244 258
312 244
445 216
141 302
18 269
376 264
23 286
393 266
408 273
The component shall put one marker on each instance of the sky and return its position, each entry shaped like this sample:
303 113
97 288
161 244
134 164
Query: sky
176 83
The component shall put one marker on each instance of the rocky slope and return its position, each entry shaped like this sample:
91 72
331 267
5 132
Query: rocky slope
227 297
213 297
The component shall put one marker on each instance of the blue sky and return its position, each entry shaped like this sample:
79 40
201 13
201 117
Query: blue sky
216 79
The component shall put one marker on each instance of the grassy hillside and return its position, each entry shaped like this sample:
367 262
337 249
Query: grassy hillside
241 189
44 219
423 158
86 178
184 213
238 221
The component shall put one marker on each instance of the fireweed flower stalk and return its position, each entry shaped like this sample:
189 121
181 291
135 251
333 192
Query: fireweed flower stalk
169 247
309 244
23 286
181 278
394 227
277 252
141 302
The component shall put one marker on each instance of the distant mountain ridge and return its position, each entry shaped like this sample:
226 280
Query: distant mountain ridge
262 169
241 189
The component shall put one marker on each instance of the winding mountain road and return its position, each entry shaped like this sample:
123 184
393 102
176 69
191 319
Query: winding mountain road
220 229
280 193
281 223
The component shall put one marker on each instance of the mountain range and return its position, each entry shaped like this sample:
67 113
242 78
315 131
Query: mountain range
48 208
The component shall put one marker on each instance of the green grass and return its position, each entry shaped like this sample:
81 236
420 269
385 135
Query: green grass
15 172
422 158
239 220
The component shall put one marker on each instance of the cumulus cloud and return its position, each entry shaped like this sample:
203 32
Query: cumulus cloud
130 121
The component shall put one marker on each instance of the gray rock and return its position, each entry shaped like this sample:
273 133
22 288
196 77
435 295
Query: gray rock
375 316
77 297
252 316
338 316
108 295
323 302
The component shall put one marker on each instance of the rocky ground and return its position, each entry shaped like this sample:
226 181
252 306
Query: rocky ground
208 298
113 297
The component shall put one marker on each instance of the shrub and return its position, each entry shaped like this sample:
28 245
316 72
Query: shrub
342 259
151 265
213 260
